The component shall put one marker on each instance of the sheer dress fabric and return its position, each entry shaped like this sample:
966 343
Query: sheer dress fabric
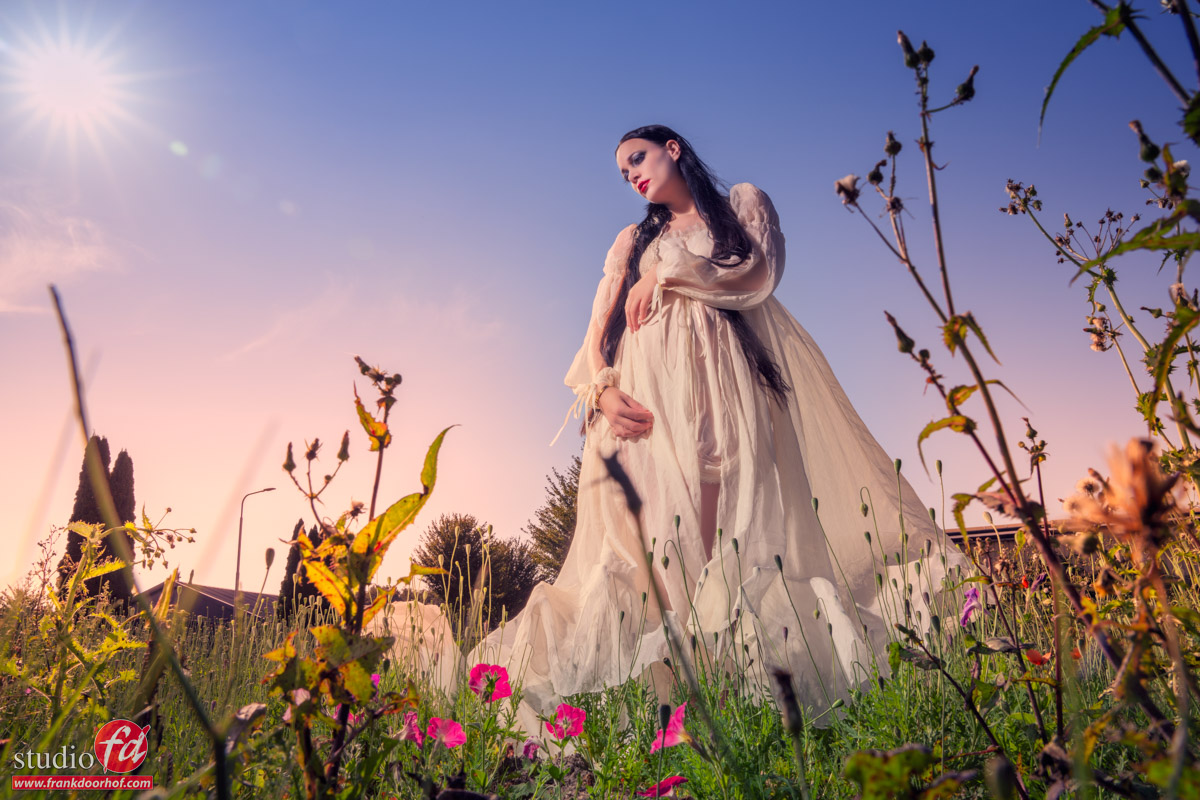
714 422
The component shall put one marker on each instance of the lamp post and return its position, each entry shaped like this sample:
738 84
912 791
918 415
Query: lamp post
237 575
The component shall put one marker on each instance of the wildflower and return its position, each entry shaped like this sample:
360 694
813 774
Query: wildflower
484 676
1178 293
1089 484
974 603
530 748
412 732
1035 657
664 789
1133 504
674 733
1075 654
446 731
847 188
567 722
1025 581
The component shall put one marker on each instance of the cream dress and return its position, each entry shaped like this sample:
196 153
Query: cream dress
752 604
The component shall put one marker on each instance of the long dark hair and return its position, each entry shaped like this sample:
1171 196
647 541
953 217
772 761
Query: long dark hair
731 247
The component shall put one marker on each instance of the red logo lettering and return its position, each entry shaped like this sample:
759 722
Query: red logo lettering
121 746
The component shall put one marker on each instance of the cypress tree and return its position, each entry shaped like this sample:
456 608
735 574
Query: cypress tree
297 589
287 590
120 480
86 509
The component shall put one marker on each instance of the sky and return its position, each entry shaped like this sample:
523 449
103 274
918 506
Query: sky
235 199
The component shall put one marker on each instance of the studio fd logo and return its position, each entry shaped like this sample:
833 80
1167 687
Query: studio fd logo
121 745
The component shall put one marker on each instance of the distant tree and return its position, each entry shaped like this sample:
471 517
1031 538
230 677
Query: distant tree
551 535
87 509
297 589
455 542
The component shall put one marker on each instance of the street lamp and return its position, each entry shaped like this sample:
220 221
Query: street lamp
237 575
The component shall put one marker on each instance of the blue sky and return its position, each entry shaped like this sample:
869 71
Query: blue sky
284 185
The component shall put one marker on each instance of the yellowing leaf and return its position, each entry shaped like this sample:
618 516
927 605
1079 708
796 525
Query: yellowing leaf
377 430
327 584
357 681
375 607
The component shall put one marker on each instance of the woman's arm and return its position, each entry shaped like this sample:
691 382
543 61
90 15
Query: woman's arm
589 360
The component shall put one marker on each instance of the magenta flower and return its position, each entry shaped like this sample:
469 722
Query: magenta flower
298 696
412 731
674 734
530 748
446 731
974 603
568 721
485 675
664 789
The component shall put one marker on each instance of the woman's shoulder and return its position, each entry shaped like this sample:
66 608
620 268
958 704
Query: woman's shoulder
752 204
622 246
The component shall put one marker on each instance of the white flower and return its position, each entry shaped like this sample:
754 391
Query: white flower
847 187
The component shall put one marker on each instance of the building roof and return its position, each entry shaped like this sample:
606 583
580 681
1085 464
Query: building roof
215 601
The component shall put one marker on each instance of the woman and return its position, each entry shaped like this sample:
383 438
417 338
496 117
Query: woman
722 412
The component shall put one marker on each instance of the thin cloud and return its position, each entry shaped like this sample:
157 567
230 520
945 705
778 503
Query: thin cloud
41 242
328 304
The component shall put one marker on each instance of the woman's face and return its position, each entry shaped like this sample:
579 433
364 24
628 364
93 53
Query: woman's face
649 168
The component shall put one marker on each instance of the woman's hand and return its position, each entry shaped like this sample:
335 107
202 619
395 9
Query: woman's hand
637 303
626 416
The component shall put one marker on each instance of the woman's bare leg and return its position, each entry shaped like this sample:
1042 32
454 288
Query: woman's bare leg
708 515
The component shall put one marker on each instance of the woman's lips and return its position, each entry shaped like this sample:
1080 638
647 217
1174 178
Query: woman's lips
643 185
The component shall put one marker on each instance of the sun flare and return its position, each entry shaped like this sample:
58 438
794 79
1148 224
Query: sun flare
68 85
62 87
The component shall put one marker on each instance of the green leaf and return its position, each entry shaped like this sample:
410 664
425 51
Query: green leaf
957 423
1184 320
1191 119
103 569
378 534
1112 27
961 501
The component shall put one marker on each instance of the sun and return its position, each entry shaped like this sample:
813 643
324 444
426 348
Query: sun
63 88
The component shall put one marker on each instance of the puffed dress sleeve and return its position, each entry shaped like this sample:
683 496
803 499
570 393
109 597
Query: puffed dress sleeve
589 361
741 287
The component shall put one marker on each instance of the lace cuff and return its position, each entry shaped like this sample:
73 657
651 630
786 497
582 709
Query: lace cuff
587 396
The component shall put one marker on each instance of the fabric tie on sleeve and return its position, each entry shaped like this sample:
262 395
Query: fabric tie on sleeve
585 396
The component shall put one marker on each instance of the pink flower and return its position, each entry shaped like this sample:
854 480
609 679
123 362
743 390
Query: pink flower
298 696
674 734
484 675
530 748
412 732
375 679
568 721
664 789
446 731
